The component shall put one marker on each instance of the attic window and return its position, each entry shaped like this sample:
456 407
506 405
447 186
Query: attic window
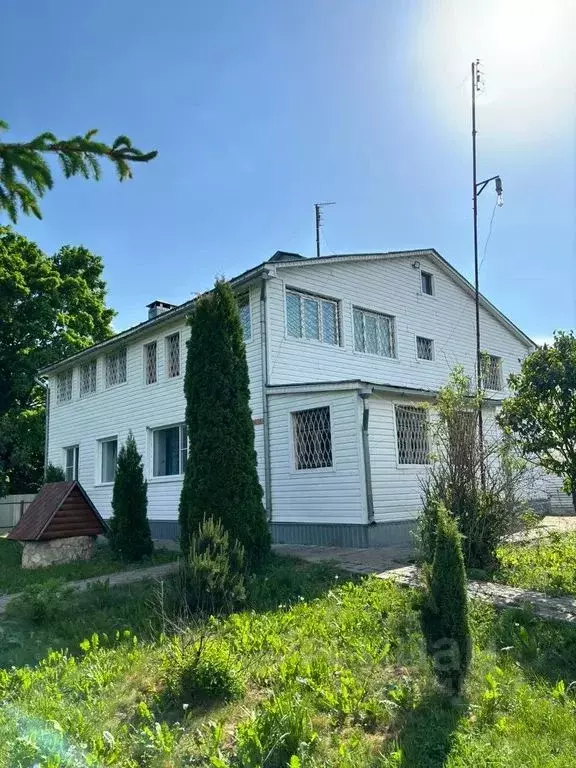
427 283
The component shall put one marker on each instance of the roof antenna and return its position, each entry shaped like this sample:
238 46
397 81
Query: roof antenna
318 208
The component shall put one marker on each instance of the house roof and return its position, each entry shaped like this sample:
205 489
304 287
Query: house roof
284 259
50 499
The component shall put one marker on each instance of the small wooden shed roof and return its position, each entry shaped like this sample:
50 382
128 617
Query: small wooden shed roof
59 511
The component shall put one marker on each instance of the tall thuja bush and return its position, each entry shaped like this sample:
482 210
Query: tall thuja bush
129 528
221 481
444 611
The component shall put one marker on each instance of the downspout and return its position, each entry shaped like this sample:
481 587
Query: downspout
366 455
265 419
44 384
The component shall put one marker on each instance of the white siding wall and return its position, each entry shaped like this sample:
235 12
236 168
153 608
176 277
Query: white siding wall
328 495
391 287
138 407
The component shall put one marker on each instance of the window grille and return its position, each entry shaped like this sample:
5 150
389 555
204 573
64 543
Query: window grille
424 348
173 355
116 368
311 317
64 387
88 378
427 283
150 366
492 372
312 438
412 434
170 451
373 333
245 316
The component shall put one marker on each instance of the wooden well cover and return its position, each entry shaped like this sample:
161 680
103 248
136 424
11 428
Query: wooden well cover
59 511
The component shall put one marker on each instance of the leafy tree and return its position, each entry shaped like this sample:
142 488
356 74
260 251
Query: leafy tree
52 307
25 174
444 611
54 474
541 414
130 536
221 480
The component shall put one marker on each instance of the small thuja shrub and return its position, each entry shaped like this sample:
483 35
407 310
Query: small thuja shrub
54 474
211 578
130 536
444 610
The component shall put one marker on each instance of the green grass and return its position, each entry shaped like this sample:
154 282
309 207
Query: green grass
13 578
335 678
547 565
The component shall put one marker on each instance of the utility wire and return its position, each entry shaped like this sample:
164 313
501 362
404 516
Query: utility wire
489 235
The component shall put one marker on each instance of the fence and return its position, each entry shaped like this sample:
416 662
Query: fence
12 508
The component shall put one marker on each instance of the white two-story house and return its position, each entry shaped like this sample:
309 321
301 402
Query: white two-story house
342 352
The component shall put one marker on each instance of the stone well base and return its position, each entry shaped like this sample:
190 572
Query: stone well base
37 554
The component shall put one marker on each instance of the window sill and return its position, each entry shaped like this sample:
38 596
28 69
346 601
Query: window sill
373 355
104 485
412 466
314 342
165 479
313 471
115 386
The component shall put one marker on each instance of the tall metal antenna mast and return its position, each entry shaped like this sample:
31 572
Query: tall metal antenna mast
318 210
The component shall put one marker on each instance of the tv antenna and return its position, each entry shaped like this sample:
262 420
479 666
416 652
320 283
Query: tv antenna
318 209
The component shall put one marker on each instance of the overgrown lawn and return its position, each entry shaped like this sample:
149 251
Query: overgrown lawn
546 565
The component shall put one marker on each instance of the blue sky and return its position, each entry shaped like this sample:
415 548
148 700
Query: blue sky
259 108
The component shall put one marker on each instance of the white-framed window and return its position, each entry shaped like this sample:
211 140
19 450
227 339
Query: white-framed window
245 316
424 348
71 456
115 365
374 333
64 386
312 437
312 317
108 459
427 283
492 372
151 362
88 378
172 355
169 450
412 434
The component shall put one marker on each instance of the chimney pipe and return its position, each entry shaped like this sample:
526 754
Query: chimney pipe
158 308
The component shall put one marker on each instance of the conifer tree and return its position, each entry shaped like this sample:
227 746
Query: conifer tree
130 536
54 474
221 480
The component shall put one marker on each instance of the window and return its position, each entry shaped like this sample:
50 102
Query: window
173 355
427 283
412 434
88 378
310 317
64 387
71 462
109 455
245 316
116 368
373 333
424 348
492 372
170 451
150 368
312 438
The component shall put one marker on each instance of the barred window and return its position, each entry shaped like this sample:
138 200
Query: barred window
427 283
116 367
88 378
311 317
245 316
412 434
150 363
374 333
170 451
424 348
173 355
492 372
64 386
312 438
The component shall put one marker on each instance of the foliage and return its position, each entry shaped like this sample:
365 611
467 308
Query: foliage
54 474
541 414
211 578
40 603
25 175
221 479
445 607
486 510
130 536
545 565
52 307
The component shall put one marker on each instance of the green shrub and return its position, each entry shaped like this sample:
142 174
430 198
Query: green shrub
54 474
211 578
444 611
40 603
129 528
